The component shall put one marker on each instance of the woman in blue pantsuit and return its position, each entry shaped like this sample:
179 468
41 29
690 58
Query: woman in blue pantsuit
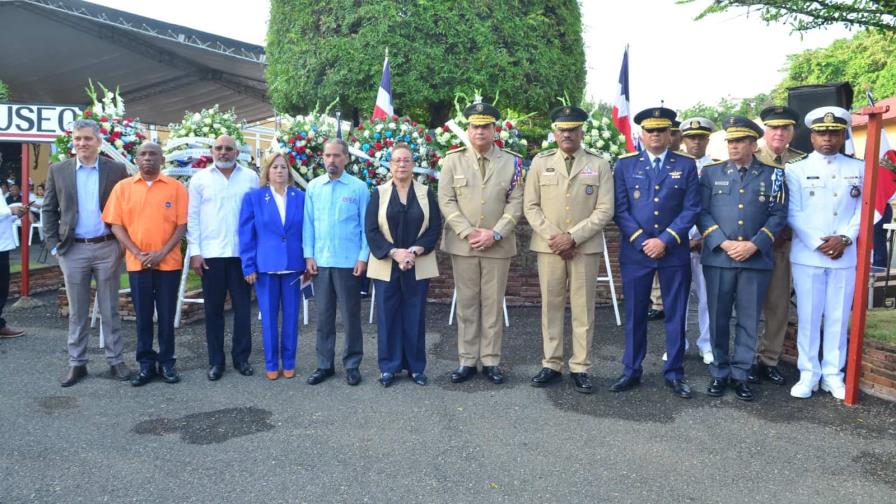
270 237
402 225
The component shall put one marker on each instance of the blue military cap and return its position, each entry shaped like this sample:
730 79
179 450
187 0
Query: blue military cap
655 118
741 127
778 115
676 125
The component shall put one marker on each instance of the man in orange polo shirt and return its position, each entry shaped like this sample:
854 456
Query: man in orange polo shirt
148 214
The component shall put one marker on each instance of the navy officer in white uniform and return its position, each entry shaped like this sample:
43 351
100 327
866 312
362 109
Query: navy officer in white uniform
825 203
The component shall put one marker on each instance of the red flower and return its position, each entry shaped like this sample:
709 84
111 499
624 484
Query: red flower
453 146
390 142
371 152
394 117
129 119
508 125
414 124
445 129
361 127
378 146
499 143
103 131
498 129
87 113
428 138
301 149
103 119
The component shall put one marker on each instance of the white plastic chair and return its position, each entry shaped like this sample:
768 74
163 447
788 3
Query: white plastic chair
609 279
454 304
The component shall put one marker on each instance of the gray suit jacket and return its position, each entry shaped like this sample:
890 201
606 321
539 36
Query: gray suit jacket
60 211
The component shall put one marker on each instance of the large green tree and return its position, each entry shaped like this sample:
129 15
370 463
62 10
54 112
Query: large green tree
804 15
866 60
528 52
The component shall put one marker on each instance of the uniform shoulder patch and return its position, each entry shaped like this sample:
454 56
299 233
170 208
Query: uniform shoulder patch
685 154
800 158
714 163
512 153
592 152
458 149
796 151
630 154
546 153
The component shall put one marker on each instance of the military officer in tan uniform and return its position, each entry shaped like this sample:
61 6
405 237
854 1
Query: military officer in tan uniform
481 197
568 201
779 122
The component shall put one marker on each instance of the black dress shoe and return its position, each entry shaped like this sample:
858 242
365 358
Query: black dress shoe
772 374
169 374
494 374
419 378
143 377
753 374
462 374
717 387
320 375
624 383
352 376
655 314
582 382
545 377
387 379
742 391
244 368
679 388
74 375
215 372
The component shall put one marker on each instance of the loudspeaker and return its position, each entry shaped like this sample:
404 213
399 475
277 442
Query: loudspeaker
803 99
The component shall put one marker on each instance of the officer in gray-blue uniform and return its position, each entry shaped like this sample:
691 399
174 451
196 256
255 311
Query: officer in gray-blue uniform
743 208
657 200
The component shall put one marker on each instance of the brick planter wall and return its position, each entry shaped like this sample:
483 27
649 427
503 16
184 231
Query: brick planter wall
522 282
39 280
190 313
878 365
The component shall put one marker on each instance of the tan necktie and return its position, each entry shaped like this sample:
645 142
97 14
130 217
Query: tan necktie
569 161
482 161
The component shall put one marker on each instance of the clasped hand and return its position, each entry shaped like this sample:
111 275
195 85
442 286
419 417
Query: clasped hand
563 245
833 246
481 239
739 250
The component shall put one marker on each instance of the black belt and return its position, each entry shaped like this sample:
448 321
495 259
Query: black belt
98 239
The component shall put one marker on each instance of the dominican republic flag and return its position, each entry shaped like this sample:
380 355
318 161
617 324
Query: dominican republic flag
383 107
886 177
620 106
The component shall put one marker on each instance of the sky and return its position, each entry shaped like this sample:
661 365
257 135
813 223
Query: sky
671 57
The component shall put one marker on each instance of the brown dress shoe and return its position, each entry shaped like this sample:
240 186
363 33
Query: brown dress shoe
289 373
272 375
11 332
120 372
74 375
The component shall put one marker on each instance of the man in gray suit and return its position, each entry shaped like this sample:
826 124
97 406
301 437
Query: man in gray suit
744 207
77 190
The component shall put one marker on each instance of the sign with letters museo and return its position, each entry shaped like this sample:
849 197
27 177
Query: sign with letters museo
35 123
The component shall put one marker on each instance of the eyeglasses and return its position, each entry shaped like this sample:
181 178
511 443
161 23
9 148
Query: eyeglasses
655 130
225 148
402 160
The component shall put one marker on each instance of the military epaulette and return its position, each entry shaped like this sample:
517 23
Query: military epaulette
456 150
592 152
630 154
684 154
512 153
546 153
796 151
716 163
800 158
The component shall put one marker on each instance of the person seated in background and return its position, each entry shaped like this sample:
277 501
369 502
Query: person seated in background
15 195
402 224
273 260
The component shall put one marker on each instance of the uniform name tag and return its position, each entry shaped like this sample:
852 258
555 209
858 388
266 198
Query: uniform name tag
722 182
814 177
550 171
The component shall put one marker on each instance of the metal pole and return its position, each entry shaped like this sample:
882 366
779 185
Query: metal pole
865 244
24 288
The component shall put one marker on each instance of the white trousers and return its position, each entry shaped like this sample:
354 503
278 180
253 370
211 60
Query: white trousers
823 295
698 290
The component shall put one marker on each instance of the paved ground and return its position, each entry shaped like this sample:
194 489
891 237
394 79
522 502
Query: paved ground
249 440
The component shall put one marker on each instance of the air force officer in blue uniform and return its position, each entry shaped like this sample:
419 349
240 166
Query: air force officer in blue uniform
657 202
744 208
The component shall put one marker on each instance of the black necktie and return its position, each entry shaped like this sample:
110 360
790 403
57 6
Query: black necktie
743 172
656 166
779 160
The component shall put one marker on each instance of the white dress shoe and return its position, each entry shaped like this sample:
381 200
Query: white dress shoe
707 357
835 386
804 388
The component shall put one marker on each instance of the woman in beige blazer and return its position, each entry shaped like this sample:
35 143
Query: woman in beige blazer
402 226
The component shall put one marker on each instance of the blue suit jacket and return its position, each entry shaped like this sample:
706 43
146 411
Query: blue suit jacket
664 207
266 244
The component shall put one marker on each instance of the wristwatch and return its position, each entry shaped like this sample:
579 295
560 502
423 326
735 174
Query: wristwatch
846 240
496 235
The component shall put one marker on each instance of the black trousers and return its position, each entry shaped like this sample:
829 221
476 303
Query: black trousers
154 291
4 284
225 274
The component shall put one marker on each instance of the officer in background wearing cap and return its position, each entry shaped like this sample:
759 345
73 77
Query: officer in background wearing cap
779 122
695 133
825 203
657 201
568 201
656 299
744 204
481 197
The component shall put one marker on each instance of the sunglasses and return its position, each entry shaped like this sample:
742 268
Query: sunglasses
225 148
655 130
